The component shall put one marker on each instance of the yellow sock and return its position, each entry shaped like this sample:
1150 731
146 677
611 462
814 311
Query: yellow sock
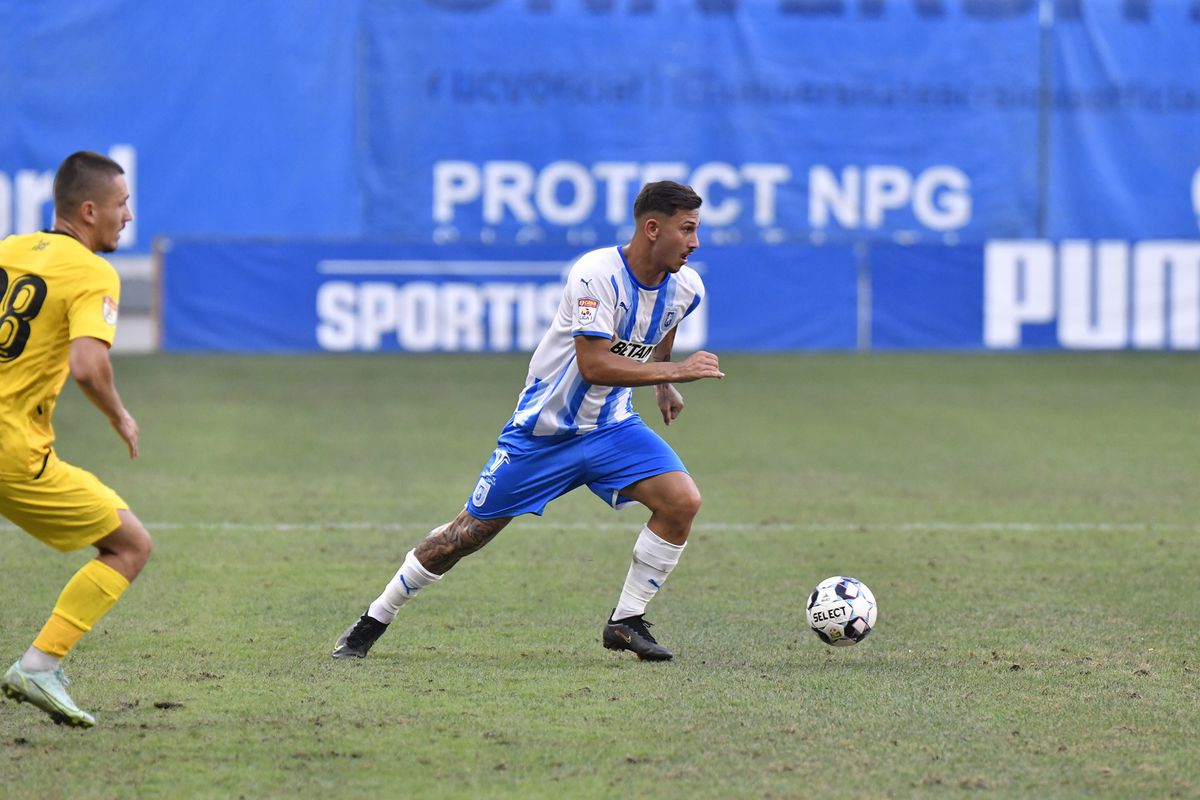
86 598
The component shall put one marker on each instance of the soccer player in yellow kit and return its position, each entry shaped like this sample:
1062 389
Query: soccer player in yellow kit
58 315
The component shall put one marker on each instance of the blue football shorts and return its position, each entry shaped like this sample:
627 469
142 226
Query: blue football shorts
526 472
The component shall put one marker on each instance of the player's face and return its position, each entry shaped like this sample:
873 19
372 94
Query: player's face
111 215
676 240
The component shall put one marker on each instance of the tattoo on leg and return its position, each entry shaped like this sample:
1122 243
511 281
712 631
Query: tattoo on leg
444 546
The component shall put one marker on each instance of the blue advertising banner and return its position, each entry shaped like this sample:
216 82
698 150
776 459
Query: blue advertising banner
230 118
535 121
245 296
962 174
1124 154
791 125
926 297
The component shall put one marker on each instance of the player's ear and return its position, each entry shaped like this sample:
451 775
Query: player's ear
651 227
87 211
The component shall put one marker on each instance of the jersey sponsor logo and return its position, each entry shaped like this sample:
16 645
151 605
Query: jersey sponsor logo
585 311
635 350
109 310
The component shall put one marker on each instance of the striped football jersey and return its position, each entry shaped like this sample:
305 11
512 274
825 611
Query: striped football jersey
601 298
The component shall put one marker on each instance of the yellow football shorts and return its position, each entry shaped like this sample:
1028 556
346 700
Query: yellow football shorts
66 507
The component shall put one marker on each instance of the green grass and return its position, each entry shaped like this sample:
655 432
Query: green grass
1028 524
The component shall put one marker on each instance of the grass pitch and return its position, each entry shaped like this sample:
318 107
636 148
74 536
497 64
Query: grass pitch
1029 525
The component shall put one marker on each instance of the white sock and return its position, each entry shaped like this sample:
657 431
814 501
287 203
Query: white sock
35 660
410 579
653 560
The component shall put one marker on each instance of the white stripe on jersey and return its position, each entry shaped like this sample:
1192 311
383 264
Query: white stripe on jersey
601 298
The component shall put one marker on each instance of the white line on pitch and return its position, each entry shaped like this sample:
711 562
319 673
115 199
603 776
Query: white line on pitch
746 527
743 527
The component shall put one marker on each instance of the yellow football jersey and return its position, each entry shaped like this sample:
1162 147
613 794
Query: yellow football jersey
52 290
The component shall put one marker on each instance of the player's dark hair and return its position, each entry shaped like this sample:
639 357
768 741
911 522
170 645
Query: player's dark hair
82 176
665 197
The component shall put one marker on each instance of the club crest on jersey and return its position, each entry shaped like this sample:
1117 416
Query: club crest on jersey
585 311
479 496
669 319
109 310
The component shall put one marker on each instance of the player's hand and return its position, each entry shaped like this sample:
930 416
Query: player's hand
700 364
127 428
670 401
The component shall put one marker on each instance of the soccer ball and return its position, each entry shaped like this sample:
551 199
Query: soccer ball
841 611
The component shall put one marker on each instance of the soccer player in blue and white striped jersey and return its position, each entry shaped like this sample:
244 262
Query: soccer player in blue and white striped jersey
574 424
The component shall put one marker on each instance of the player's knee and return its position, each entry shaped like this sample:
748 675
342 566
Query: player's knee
130 546
685 504
136 550
143 547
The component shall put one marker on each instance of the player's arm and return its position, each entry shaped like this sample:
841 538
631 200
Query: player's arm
670 401
600 366
93 372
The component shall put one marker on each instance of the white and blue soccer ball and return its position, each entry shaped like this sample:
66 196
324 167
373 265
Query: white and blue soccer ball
841 611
